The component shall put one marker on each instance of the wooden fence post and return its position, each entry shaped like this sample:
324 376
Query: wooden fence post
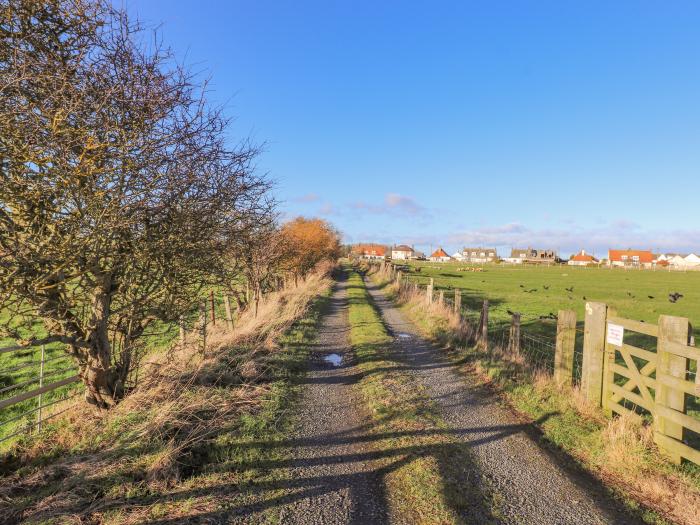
181 324
227 307
484 326
514 340
566 341
203 323
398 279
594 352
429 292
671 330
41 384
213 311
458 300
441 297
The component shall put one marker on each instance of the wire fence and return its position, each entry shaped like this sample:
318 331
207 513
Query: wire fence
622 377
38 382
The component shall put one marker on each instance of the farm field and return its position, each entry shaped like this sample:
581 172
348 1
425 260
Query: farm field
20 371
538 291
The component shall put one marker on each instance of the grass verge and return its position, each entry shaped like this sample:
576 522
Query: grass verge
182 440
428 474
620 452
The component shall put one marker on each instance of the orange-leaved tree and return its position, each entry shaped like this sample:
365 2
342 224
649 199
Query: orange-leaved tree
308 242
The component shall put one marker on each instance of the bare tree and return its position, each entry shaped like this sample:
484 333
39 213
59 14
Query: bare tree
118 192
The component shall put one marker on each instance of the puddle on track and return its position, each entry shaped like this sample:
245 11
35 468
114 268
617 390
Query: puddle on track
404 336
334 359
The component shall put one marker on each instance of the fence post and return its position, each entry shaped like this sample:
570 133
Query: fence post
566 341
203 323
41 383
441 297
429 292
671 330
181 324
514 342
458 300
593 352
398 279
213 310
227 307
484 326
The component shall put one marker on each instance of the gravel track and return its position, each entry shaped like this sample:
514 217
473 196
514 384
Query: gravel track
332 477
531 484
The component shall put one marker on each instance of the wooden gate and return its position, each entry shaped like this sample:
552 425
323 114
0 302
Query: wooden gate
655 382
629 383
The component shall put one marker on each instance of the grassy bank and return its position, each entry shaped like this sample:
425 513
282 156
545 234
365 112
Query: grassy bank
620 452
425 470
185 444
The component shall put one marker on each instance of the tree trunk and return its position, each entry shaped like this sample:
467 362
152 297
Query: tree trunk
104 384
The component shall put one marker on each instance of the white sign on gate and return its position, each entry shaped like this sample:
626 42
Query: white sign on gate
616 334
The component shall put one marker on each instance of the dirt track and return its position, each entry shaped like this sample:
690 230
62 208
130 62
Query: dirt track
331 477
532 486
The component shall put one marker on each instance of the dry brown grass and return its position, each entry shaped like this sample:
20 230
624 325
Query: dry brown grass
152 438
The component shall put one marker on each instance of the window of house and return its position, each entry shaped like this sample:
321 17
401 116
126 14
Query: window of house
625 257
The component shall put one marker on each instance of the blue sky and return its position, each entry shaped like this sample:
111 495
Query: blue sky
554 124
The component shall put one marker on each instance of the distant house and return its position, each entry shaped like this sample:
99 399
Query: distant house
439 255
582 259
369 251
635 258
692 260
479 255
402 252
531 256
678 260
457 256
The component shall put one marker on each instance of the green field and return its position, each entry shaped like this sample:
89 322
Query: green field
522 289
20 370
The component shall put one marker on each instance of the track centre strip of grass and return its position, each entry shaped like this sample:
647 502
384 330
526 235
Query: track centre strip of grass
427 471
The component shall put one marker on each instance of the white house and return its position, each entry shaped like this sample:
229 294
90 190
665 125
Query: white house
457 256
439 255
582 259
402 252
678 260
692 260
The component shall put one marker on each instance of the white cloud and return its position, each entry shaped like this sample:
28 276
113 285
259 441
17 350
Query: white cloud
309 197
394 204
